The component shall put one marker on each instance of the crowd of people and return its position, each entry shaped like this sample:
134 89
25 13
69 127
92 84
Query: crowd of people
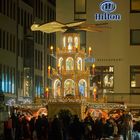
20 127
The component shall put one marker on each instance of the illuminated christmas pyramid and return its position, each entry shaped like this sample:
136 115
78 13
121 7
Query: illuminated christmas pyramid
71 77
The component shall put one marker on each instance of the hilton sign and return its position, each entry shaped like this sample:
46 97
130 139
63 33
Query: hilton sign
107 7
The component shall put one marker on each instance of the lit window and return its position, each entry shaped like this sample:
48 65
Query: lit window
135 79
104 79
108 80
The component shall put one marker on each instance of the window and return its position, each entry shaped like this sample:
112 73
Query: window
38 59
11 9
80 6
7 41
3 39
104 79
7 79
0 38
14 43
35 58
52 2
0 77
28 21
3 79
10 81
28 83
134 79
135 6
82 39
11 42
21 17
13 81
14 11
29 2
135 37
80 9
22 48
4 7
41 61
18 48
7 7
41 10
0 6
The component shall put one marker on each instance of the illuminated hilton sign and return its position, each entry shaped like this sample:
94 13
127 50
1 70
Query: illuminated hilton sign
107 7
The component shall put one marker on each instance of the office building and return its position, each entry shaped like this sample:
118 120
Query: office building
24 55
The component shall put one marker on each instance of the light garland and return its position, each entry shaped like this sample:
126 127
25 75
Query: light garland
106 106
89 104
67 100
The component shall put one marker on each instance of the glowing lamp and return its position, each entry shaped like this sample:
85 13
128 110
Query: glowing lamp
58 66
47 92
49 70
94 90
76 48
47 89
89 50
93 68
94 93
51 49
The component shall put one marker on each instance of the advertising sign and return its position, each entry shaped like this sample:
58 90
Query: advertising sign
107 8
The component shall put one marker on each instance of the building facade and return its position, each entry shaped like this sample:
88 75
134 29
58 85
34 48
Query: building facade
116 49
24 55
